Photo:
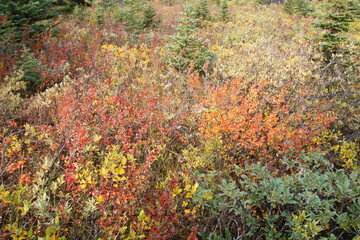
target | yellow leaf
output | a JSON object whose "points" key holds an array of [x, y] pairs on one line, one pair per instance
{"points": [[100, 199], [176, 191], [97, 138], [119, 171], [196, 185], [141, 215], [123, 229], [123, 160], [207, 196]]}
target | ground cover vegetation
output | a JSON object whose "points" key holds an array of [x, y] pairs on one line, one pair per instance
{"points": [[171, 119]]}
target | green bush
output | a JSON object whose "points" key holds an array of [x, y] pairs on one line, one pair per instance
{"points": [[100, 17], [308, 199]]}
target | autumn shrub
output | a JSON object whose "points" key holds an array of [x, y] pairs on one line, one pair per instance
{"points": [[123, 136], [75, 53], [29, 183], [52, 58], [257, 120], [239, 136], [98, 159], [257, 45], [10, 97], [342, 150], [99, 148]]}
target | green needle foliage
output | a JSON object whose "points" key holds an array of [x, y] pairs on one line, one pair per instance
{"points": [[202, 11], [138, 18], [149, 17], [187, 50], [32, 68], [335, 23], [340, 63], [302, 7], [224, 11], [25, 20]]}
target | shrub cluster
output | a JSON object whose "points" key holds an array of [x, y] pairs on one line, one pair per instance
{"points": [[123, 123]]}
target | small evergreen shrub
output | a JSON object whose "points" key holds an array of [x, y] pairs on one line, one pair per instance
{"points": [[301, 7], [100, 17], [186, 49], [202, 11], [224, 12], [138, 17], [149, 20], [269, 1], [340, 65], [32, 68]]}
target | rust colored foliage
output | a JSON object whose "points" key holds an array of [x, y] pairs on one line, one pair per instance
{"points": [[110, 156], [258, 120]]}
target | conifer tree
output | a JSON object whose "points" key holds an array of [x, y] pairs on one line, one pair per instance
{"points": [[301, 7], [202, 11], [25, 19], [139, 17], [335, 23], [32, 72], [341, 64], [149, 17], [187, 50], [224, 10]]}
